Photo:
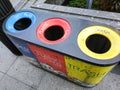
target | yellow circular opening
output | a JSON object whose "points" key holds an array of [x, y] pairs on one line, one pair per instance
{"points": [[99, 42]]}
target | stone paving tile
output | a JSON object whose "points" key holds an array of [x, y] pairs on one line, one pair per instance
{"points": [[14, 2], [1, 75], [8, 83], [53, 82], [6, 58], [25, 72], [110, 82]]}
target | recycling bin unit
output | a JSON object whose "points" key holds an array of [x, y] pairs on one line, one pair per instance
{"points": [[80, 50]]}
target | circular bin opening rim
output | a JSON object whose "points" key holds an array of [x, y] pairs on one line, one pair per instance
{"points": [[50, 22], [17, 16], [104, 31]]}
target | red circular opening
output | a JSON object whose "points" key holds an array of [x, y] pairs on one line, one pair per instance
{"points": [[53, 30]]}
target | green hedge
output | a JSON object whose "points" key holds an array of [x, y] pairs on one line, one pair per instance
{"points": [[77, 3]]}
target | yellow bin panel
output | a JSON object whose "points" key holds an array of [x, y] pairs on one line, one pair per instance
{"points": [[85, 72]]}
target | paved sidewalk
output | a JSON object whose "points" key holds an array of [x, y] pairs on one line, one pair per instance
{"points": [[16, 73]]}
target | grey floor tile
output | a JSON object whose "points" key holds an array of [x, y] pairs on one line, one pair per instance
{"points": [[25, 72], [6, 58], [110, 82], [1, 75], [8, 83], [53, 82], [14, 2]]}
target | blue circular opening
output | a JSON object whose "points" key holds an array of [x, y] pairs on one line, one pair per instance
{"points": [[20, 21], [22, 24]]}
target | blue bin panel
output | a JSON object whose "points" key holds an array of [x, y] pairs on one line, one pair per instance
{"points": [[22, 47]]}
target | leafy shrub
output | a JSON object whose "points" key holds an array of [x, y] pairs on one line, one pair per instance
{"points": [[77, 3]]}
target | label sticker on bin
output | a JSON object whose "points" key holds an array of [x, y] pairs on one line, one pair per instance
{"points": [[85, 72], [54, 60]]}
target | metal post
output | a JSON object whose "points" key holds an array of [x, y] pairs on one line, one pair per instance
{"points": [[89, 4]]}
